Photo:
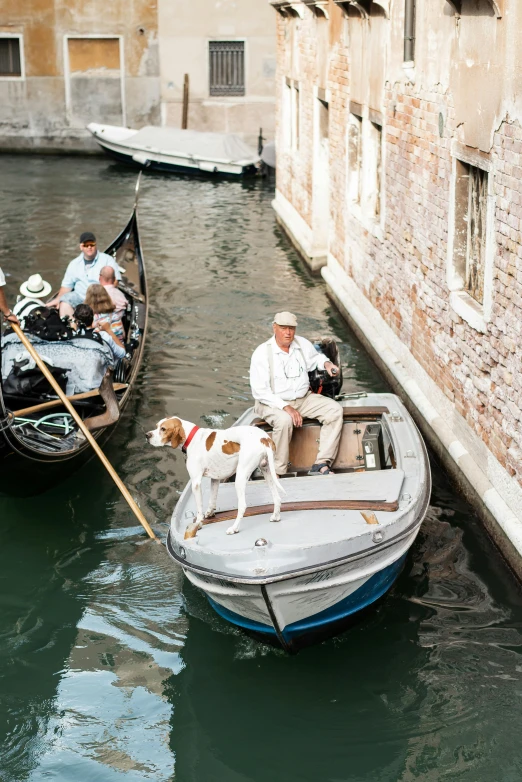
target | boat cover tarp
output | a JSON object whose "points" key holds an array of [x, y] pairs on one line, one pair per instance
{"points": [[212, 146], [268, 155], [86, 360]]}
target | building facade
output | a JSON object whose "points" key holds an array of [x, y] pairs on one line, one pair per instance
{"points": [[63, 65], [227, 49], [399, 175]]}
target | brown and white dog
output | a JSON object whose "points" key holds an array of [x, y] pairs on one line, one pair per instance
{"points": [[218, 454]]}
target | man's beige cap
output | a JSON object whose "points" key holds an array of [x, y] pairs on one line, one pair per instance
{"points": [[285, 319]]}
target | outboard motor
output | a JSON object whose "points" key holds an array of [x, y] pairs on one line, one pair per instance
{"points": [[320, 381]]}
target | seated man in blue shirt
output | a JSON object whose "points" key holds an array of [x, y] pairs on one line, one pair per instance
{"points": [[82, 272]]}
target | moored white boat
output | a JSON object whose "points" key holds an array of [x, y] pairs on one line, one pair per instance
{"points": [[181, 151], [342, 539]]}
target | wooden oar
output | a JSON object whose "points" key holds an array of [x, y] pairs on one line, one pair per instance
{"points": [[88, 436]]}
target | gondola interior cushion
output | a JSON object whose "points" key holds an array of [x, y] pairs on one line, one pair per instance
{"points": [[86, 360]]}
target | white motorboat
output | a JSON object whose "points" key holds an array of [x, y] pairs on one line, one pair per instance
{"points": [[181, 151], [342, 539]]}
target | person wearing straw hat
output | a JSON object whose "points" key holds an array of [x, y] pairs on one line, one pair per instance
{"points": [[33, 291], [281, 389], [4, 307]]}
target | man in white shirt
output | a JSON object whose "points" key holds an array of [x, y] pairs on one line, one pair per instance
{"points": [[281, 389], [108, 280], [4, 307], [82, 272]]}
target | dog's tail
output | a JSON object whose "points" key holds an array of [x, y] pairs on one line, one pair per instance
{"points": [[271, 467]]}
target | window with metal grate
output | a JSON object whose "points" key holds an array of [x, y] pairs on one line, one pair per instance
{"points": [[227, 67], [10, 57]]}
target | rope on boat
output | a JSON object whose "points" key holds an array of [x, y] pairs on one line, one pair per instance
{"points": [[66, 425]]}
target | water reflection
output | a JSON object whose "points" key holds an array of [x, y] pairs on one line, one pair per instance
{"points": [[112, 666], [111, 715]]}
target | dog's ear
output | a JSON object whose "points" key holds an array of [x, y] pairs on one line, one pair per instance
{"points": [[176, 433]]}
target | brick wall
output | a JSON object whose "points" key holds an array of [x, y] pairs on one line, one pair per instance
{"points": [[294, 169], [401, 264]]}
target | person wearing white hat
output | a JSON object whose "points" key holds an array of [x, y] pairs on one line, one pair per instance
{"points": [[33, 291], [281, 389], [4, 307]]}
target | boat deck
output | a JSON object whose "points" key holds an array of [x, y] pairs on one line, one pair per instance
{"points": [[324, 518], [365, 492]]}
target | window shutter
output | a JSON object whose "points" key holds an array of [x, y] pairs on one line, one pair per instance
{"points": [[227, 67]]}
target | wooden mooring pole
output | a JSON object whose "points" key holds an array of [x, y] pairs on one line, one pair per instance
{"points": [[184, 117]]}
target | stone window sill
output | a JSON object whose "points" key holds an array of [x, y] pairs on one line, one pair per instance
{"points": [[371, 224], [469, 310], [409, 70]]}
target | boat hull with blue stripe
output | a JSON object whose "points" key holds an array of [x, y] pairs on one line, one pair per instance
{"points": [[342, 541]]}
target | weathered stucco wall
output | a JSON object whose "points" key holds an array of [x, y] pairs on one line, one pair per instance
{"points": [[82, 62], [399, 135], [184, 48]]}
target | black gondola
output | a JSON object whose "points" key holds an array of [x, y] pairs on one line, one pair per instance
{"points": [[38, 449]]}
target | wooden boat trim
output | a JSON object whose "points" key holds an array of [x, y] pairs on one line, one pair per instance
{"points": [[288, 507], [348, 412], [362, 412], [58, 402], [112, 409]]}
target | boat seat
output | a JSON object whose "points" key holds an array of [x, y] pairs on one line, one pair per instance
{"points": [[304, 444], [363, 486]]}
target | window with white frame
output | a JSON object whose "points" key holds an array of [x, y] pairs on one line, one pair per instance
{"points": [[227, 68], [364, 164], [324, 120], [354, 158], [10, 57], [372, 183], [291, 113], [471, 236], [470, 232], [296, 111], [287, 113]]}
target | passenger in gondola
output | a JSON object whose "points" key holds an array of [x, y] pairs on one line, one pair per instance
{"points": [[83, 317], [32, 294], [4, 307], [281, 389], [104, 310], [108, 280], [82, 272]]}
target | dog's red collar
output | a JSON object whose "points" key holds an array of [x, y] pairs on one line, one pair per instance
{"points": [[189, 439]]}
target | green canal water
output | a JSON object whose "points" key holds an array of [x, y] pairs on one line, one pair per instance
{"points": [[112, 668]]}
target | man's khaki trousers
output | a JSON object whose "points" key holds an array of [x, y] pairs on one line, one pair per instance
{"points": [[326, 410]]}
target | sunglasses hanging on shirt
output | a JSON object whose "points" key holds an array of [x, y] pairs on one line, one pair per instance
{"points": [[292, 368]]}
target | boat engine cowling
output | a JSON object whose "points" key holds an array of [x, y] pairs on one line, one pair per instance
{"points": [[320, 381]]}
